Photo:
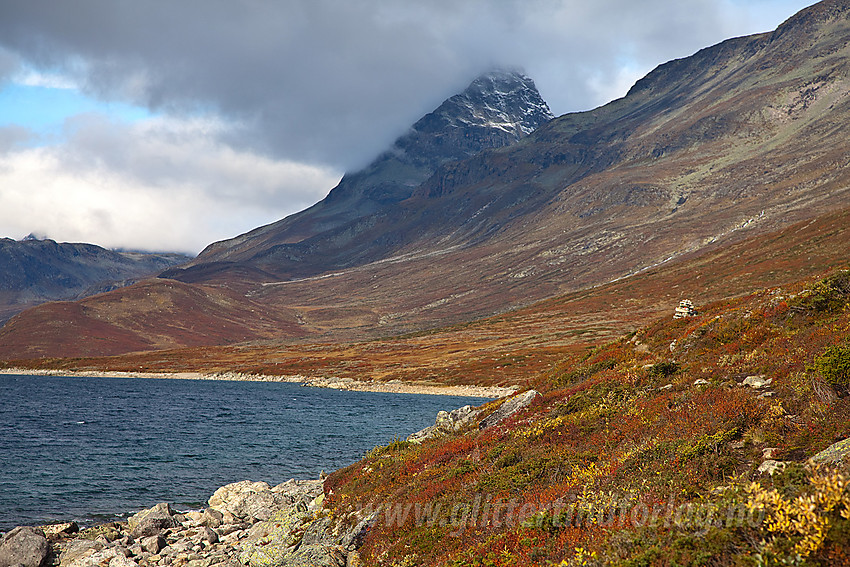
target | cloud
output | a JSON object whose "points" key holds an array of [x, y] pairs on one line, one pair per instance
{"points": [[263, 104], [12, 137], [335, 82], [161, 185], [32, 78], [9, 65]]}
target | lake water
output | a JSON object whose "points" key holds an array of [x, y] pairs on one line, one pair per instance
{"points": [[93, 449]]}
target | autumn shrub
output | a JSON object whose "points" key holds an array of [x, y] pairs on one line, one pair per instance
{"points": [[798, 517], [834, 365], [707, 443], [583, 373], [829, 295], [800, 524], [395, 446], [664, 369], [514, 477], [462, 468]]}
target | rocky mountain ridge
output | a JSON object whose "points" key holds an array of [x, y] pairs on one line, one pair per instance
{"points": [[495, 110], [34, 271]]}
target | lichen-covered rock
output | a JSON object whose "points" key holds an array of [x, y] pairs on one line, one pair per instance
{"points": [[835, 453], [109, 532], [251, 500], [317, 556], [771, 467], [24, 546], [757, 382], [60, 530], [509, 408], [270, 543]]}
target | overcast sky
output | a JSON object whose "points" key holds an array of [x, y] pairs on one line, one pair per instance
{"points": [[167, 125]]}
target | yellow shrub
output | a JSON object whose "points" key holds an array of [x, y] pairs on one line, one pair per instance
{"points": [[806, 518]]}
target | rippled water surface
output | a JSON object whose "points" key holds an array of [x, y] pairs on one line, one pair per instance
{"points": [[91, 449]]}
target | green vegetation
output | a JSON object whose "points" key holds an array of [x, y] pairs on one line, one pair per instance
{"points": [[834, 366], [664, 369], [829, 295]]}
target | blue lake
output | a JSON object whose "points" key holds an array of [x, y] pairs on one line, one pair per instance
{"points": [[93, 449]]}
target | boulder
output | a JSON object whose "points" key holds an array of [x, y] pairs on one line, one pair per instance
{"points": [[757, 382], [211, 518], [153, 544], [446, 422], [509, 408], [209, 535], [835, 453], [152, 521], [259, 501], [60, 530], [771, 467], [252, 500], [300, 492], [77, 550], [24, 546]]}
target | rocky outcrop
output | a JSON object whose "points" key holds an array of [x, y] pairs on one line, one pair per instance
{"points": [[455, 420], [447, 422], [25, 547], [509, 408]]}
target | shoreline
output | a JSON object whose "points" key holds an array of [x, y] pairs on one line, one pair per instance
{"points": [[346, 384]]}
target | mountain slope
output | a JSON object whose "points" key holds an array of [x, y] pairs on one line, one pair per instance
{"points": [[741, 139], [35, 271], [495, 110], [751, 125]]}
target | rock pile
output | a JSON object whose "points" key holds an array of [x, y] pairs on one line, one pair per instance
{"points": [[246, 523]]}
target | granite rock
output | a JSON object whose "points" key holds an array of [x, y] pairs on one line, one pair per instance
{"points": [[152, 521], [24, 546]]}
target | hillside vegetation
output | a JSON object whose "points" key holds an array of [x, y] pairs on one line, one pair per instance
{"points": [[654, 449]]}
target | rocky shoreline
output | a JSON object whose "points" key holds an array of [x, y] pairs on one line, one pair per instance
{"points": [[246, 524], [348, 384]]}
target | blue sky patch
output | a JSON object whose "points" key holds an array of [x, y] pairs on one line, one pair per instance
{"points": [[45, 109]]}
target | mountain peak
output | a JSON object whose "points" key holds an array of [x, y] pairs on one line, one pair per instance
{"points": [[497, 109], [501, 99], [816, 15]]}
